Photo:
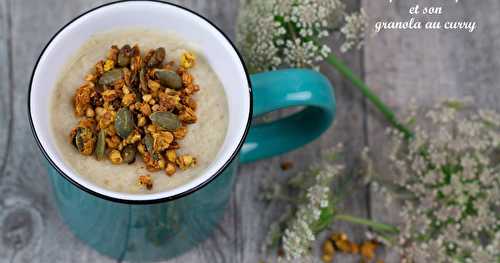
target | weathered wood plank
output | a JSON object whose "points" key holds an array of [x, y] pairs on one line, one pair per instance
{"points": [[428, 66], [255, 217], [32, 230], [5, 91], [19, 222]]}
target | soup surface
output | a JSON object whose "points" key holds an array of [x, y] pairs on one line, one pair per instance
{"points": [[203, 140]]}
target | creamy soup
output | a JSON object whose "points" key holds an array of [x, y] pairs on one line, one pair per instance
{"points": [[203, 140]]}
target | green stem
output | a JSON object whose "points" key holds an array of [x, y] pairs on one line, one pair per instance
{"points": [[345, 71], [380, 227]]}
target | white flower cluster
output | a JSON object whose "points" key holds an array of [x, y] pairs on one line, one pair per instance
{"points": [[299, 235], [451, 171], [309, 199], [289, 33], [354, 31]]}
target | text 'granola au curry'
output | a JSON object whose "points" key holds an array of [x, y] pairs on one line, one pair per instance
{"points": [[133, 103]]}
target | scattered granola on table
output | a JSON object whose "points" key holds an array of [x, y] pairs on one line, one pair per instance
{"points": [[339, 242], [286, 165], [133, 104]]}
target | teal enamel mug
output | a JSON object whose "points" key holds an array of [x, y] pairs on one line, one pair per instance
{"points": [[165, 224]]}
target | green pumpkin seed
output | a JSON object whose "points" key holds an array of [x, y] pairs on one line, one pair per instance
{"points": [[160, 54], [110, 77], [149, 141], [134, 86], [169, 78], [124, 122], [157, 57], [83, 135], [143, 82], [165, 120], [124, 56], [128, 154], [78, 140], [101, 145]]}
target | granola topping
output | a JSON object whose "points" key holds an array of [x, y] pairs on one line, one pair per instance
{"points": [[146, 181], [137, 103]]}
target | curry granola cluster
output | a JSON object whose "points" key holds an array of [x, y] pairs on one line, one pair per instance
{"points": [[133, 103], [339, 242]]}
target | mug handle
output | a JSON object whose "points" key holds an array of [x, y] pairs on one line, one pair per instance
{"points": [[282, 89]]}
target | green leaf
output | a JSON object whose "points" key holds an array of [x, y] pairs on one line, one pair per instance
{"points": [[325, 219], [454, 104]]}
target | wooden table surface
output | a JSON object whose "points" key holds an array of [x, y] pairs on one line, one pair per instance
{"points": [[399, 65]]}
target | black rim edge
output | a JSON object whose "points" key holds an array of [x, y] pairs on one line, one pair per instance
{"points": [[152, 201]]}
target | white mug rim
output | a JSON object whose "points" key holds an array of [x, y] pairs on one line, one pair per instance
{"points": [[153, 200]]}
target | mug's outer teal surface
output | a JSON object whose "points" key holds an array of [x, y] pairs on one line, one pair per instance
{"points": [[164, 230]]}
